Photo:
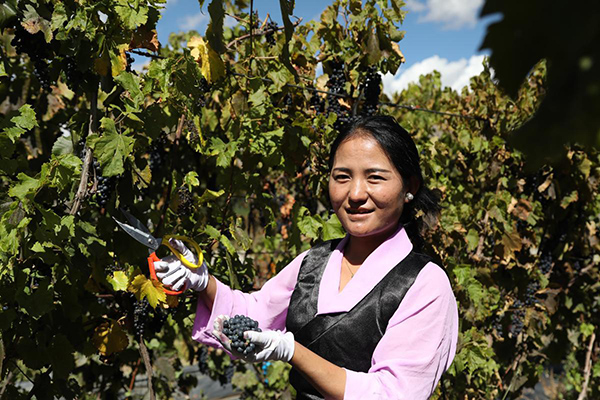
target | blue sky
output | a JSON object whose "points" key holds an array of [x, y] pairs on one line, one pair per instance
{"points": [[444, 35]]}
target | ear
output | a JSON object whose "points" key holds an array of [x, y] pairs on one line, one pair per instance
{"points": [[413, 186]]}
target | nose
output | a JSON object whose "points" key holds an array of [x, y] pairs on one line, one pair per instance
{"points": [[358, 191]]}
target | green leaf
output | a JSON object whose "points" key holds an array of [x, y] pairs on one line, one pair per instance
{"points": [[111, 149], [63, 145], [131, 83], [586, 329], [472, 239], [61, 356], [191, 179], [332, 228], [214, 31], [8, 10], [132, 14], [26, 186], [23, 122]]}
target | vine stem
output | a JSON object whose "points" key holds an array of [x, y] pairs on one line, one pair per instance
{"points": [[87, 160], [260, 33], [147, 364], [134, 374], [588, 367]]}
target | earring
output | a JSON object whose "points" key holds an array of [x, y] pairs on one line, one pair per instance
{"points": [[409, 196]]}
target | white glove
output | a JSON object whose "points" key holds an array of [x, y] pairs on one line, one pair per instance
{"points": [[171, 271], [269, 345]]}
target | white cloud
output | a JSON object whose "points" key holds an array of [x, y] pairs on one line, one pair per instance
{"points": [[455, 74], [454, 14], [194, 21]]}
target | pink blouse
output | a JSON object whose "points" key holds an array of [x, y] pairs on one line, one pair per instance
{"points": [[420, 340]]}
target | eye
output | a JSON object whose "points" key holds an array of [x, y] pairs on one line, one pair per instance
{"points": [[341, 177], [376, 178]]}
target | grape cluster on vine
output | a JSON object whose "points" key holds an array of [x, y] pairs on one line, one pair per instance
{"points": [[337, 86], [271, 28], [517, 324], [143, 322], [35, 46], [104, 188], [530, 292], [157, 152], [186, 202], [371, 89], [234, 329]]}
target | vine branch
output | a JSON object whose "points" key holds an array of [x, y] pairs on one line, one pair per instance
{"points": [[588, 368], [147, 364], [87, 160]]}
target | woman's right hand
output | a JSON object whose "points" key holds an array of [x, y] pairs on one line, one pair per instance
{"points": [[171, 271]]}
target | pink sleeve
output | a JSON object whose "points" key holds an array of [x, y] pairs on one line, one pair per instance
{"points": [[418, 346], [268, 306]]}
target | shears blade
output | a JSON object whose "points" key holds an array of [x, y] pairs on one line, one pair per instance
{"points": [[139, 232]]}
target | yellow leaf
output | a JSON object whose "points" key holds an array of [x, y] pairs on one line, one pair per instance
{"points": [[110, 338], [119, 280], [211, 65], [150, 289], [172, 301], [102, 64], [118, 60]]}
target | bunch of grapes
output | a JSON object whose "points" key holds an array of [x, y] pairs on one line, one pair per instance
{"points": [[545, 263], [270, 36], [336, 85], [141, 310], [317, 103], [530, 293], [202, 87], [157, 153], [203, 360], [37, 49], [234, 329], [516, 323], [186, 202], [73, 74], [104, 188], [372, 91]]}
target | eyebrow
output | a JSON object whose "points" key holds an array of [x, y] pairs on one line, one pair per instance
{"points": [[368, 171]]}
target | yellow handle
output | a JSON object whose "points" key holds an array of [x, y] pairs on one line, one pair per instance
{"points": [[189, 241]]}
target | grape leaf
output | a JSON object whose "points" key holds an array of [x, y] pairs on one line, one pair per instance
{"points": [[211, 65], [23, 122], [110, 338], [150, 289], [119, 280], [111, 148]]}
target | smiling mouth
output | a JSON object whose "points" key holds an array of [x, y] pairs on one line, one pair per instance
{"points": [[358, 212]]}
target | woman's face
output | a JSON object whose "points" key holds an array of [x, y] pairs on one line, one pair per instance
{"points": [[365, 189]]}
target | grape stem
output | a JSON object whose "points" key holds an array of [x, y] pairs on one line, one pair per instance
{"points": [[87, 161]]}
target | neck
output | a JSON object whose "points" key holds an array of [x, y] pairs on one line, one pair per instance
{"points": [[359, 248]]}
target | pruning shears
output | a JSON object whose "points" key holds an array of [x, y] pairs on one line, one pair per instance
{"points": [[137, 230]]}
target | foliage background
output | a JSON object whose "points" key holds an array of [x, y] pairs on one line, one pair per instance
{"points": [[224, 137]]}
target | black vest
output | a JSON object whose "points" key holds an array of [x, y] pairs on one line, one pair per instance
{"points": [[346, 339]]}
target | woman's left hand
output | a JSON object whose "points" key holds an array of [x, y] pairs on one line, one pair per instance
{"points": [[269, 345]]}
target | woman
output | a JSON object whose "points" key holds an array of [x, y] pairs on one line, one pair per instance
{"points": [[363, 317]]}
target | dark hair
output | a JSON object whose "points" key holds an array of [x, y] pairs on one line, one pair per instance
{"points": [[402, 151]]}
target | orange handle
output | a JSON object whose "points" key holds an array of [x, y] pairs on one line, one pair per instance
{"points": [[151, 260]]}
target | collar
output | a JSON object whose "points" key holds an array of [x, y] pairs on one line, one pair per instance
{"points": [[375, 267]]}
